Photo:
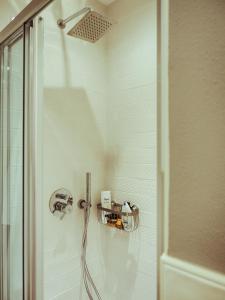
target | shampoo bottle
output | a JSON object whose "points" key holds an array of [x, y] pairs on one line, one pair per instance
{"points": [[127, 220]]}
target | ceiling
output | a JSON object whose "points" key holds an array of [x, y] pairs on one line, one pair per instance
{"points": [[106, 2]]}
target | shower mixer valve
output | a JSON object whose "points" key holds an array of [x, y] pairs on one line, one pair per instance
{"points": [[61, 203]]}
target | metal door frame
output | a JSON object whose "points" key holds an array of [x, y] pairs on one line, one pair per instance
{"points": [[33, 89]]}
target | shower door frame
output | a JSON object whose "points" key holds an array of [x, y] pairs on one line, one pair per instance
{"points": [[32, 33], [29, 12], [33, 99]]}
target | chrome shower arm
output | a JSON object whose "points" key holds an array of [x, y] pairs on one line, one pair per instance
{"points": [[62, 23]]}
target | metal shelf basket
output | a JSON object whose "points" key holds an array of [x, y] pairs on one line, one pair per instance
{"points": [[114, 217]]}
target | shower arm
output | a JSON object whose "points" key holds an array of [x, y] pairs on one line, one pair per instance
{"points": [[62, 23]]}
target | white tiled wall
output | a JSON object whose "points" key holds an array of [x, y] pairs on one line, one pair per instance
{"points": [[74, 143], [131, 169], [100, 116]]}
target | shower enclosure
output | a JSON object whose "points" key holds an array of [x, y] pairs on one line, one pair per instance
{"points": [[20, 254], [71, 107]]}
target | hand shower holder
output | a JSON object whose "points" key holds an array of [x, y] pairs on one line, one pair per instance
{"points": [[114, 217]]}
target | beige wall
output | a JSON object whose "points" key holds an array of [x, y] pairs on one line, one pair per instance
{"points": [[197, 129]]}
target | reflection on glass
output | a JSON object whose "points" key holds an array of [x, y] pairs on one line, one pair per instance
{"points": [[11, 237], [15, 184]]}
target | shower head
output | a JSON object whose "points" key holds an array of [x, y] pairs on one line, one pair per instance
{"points": [[91, 27]]}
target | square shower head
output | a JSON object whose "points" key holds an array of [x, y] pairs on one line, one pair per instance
{"points": [[91, 27]]}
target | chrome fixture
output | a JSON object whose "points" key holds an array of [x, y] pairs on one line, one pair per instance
{"points": [[61, 203], [85, 203], [62, 23], [91, 27], [86, 206]]}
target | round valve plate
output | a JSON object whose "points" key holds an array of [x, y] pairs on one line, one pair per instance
{"points": [[61, 202]]}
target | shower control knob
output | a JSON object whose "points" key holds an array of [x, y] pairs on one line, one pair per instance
{"points": [[61, 203]]}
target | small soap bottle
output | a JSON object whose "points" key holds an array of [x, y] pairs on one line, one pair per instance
{"points": [[106, 203]]}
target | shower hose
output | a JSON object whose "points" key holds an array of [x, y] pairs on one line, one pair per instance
{"points": [[88, 281]]}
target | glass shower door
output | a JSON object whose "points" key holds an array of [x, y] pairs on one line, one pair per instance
{"points": [[11, 192]]}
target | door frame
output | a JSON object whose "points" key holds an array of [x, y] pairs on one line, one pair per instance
{"points": [[33, 99], [31, 10]]}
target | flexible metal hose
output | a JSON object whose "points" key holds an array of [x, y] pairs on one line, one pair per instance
{"points": [[86, 274]]}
